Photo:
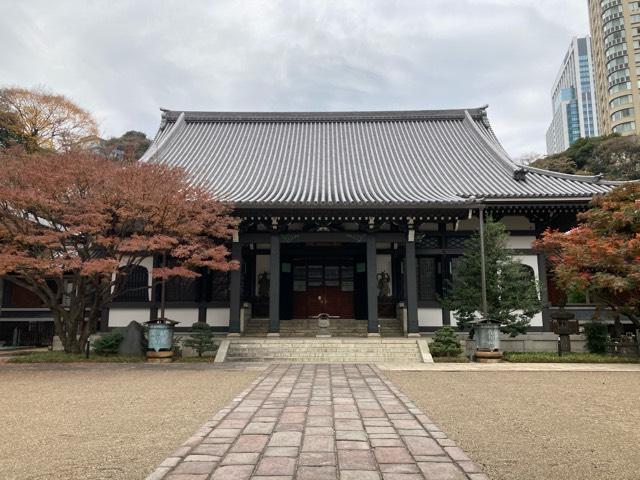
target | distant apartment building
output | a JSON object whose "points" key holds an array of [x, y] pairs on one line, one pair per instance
{"points": [[573, 98], [615, 33]]}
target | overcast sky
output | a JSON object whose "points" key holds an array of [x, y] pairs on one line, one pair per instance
{"points": [[122, 60]]}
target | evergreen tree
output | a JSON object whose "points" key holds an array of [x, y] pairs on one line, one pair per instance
{"points": [[445, 343], [201, 339], [512, 292]]}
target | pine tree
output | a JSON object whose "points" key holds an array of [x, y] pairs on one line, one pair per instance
{"points": [[201, 339], [445, 343], [512, 292]]}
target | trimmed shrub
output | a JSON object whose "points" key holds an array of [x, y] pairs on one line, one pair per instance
{"points": [[445, 343], [109, 343], [201, 339], [597, 336]]}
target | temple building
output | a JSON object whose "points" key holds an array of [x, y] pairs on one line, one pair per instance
{"points": [[359, 215]]}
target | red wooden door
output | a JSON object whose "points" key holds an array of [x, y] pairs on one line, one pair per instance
{"points": [[323, 287]]}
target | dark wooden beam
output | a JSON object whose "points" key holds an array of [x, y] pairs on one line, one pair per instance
{"points": [[411, 288], [234, 287], [304, 237], [274, 284], [372, 287]]}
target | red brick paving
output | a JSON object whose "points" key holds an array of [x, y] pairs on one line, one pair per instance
{"points": [[320, 422]]}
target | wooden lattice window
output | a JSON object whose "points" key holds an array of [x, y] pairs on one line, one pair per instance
{"points": [[135, 285]]}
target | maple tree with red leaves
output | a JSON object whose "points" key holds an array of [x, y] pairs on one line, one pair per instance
{"points": [[74, 225], [602, 254]]}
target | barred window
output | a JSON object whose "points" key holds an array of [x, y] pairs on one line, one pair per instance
{"points": [[427, 279], [135, 285]]}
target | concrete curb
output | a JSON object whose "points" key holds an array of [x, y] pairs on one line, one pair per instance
{"points": [[423, 345], [221, 354]]}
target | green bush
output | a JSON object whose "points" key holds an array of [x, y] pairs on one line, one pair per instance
{"points": [[445, 343], [201, 339], [109, 343], [573, 357], [597, 337]]}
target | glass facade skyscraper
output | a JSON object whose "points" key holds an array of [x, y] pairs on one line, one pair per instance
{"points": [[573, 98], [615, 30]]}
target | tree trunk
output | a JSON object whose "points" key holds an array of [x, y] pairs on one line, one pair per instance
{"points": [[66, 325]]}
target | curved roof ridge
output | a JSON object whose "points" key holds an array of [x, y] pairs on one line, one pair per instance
{"points": [[328, 116], [574, 177], [505, 161], [157, 142]]}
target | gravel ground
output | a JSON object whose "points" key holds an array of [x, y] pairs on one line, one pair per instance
{"points": [[104, 421], [542, 425]]}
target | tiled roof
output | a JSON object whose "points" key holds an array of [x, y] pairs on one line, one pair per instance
{"points": [[346, 159]]}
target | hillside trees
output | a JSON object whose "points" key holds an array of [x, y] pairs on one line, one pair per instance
{"points": [[44, 120]]}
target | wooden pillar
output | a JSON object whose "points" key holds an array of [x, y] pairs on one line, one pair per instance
{"points": [[372, 287], [274, 285], [234, 287], [411, 284], [203, 282]]}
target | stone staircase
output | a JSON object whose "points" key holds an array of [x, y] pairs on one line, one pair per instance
{"points": [[338, 327], [324, 350]]}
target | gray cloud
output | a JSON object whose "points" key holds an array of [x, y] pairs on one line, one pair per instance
{"points": [[124, 59]]}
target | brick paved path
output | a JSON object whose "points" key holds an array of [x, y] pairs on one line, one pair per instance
{"points": [[319, 422]]}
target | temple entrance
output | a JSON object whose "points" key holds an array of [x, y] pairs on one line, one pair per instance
{"points": [[323, 285]]}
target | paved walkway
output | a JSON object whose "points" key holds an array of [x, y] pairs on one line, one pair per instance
{"points": [[319, 422], [511, 367]]}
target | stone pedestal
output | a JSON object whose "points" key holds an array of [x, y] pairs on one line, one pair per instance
{"points": [[323, 327]]}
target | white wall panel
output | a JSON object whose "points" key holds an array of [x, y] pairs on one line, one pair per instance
{"points": [[218, 317], [121, 317], [430, 317], [520, 241], [186, 316]]}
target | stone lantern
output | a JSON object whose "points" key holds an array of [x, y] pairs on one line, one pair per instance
{"points": [[562, 318]]}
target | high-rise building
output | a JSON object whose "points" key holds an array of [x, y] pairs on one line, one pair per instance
{"points": [[573, 98], [615, 33]]}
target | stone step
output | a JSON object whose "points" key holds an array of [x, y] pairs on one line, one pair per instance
{"points": [[337, 328], [319, 350]]}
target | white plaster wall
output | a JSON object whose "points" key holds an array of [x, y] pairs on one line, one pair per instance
{"points": [[121, 317], [218, 317], [532, 261], [517, 222], [383, 264], [520, 241], [186, 316], [468, 224], [430, 317]]}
